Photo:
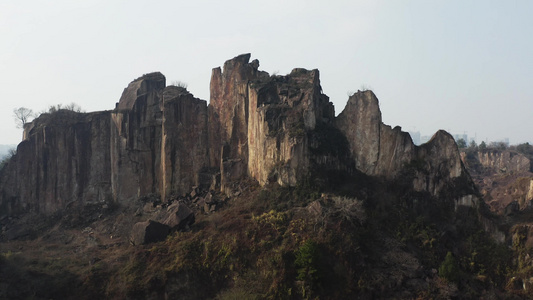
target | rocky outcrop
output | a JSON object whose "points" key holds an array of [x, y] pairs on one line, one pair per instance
{"points": [[154, 142], [264, 121], [503, 177], [148, 232], [380, 150], [64, 160], [136, 139], [179, 217], [504, 161], [184, 144], [163, 141]]}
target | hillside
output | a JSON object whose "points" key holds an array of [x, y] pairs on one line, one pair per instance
{"points": [[263, 193]]}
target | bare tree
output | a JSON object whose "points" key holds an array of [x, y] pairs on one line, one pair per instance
{"points": [[73, 107], [178, 83], [22, 116]]}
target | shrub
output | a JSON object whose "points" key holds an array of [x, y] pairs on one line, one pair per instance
{"points": [[448, 269], [307, 259]]}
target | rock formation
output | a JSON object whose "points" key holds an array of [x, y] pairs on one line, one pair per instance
{"points": [[161, 140], [380, 150], [504, 161], [504, 178]]}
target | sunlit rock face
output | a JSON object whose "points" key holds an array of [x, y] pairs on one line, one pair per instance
{"points": [[377, 148], [264, 121], [64, 159], [184, 148], [162, 140], [504, 161], [503, 177], [380, 150], [136, 138]]}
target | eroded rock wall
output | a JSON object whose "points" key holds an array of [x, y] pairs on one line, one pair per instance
{"points": [[284, 110], [503, 177], [380, 150], [136, 139], [154, 142], [64, 160], [184, 150], [504, 161], [263, 122], [161, 140]]}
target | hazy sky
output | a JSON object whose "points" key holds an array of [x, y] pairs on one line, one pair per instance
{"points": [[454, 65]]}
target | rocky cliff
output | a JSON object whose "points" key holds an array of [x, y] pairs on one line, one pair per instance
{"points": [[380, 150], [161, 140], [504, 178]]}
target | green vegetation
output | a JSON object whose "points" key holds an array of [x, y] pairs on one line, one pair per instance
{"points": [[306, 262], [525, 149], [7, 158], [70, 107], [482, 146], [291, 243], [461, 143], [448, 269]]}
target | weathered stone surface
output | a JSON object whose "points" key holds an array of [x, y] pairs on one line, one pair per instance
{"points": [[438, 164], [162, 141], [184, 150], [148, 232], [64, 158], [380, 150], [503, 177], [284, 111], [504, 161], [136, 139], [265, 121], [229, 115], [179, 216]]}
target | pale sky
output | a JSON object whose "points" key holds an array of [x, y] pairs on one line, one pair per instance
{"points": [[462, 66]]}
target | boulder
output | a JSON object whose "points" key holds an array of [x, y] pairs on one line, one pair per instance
{"points": [[148, 232], [209, 198], [180, 217]]}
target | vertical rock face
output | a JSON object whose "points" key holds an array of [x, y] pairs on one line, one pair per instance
{"points": [[377, 148], [438, 165], [360, 121], [184, 149], [60, 162], [504, 161], [154, 142], [504, 177], [229, 116], [380, 150], [264, 121], [136, 138], [284, 113], [161, 140]]}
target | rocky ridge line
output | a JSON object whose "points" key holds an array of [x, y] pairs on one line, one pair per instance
{"points": [[161, 140]]}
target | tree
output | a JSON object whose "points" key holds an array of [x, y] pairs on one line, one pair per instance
{"points": [[482, 146], [73, 107], [7, 157], [307, 259], [498, 145], [525, 149], [22, 116], [448, 269], [178, 83], [472, 145], [461, 143]]}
